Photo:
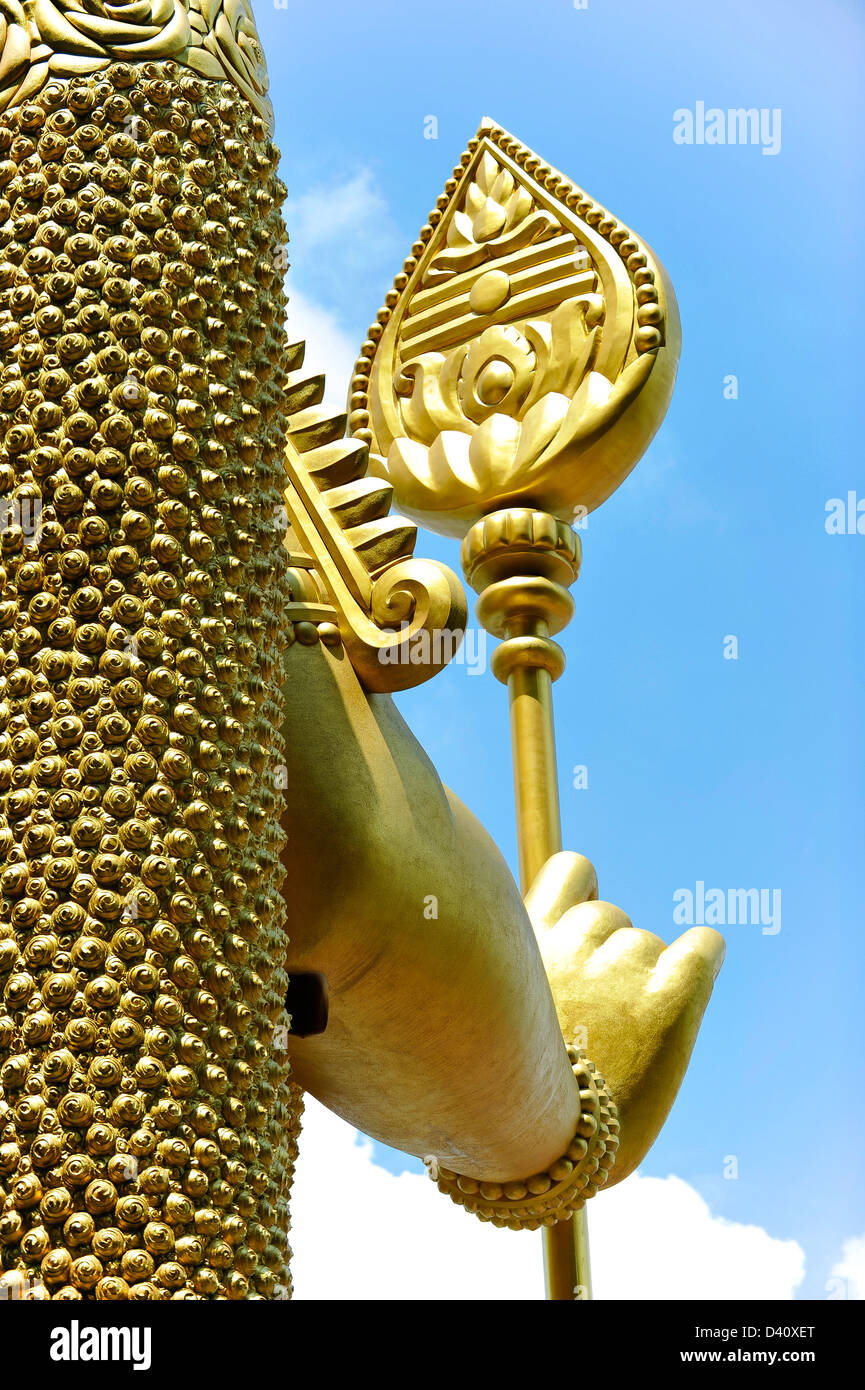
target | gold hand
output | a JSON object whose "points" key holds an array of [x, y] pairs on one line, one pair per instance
{"points": [[630, 1001]]}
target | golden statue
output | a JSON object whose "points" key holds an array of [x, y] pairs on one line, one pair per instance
{"points": [[206, 788]]}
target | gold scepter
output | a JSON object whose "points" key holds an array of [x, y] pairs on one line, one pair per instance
{"points": [[522, 563], [517, 372]]}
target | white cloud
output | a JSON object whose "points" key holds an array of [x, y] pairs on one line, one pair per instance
{"points": [[360, 1232], [657, 1238], [329, 348], [345, 247], [337, 213], [849, 1270]]}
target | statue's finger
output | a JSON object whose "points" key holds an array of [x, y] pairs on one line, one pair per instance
{"points": [[689, 967], [626, 953], [581, 932], [565, 880]]}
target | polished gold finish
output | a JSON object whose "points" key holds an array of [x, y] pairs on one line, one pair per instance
{"points": [[526, 354]]}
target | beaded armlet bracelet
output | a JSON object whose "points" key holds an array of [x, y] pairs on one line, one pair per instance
{"points": [[567, 1184]]}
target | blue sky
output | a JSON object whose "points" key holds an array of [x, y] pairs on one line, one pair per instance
{"points": [[739, 773]]}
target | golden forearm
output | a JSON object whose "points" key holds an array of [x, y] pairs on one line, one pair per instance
{"points": [[396, 892]]}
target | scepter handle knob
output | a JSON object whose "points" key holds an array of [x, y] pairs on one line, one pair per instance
{"points": [[527, 653], [522, 563], [520, 541]]}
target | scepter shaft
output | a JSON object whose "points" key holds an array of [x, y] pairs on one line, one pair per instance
{"points": [[521, 562], [536, 791], [567, 1265]]}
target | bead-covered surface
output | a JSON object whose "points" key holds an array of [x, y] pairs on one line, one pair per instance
{"points": [[147, 1117]]}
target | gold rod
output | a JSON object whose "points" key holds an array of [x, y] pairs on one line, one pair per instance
{"points": [[567, 1268]]}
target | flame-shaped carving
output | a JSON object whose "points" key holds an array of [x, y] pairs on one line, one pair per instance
{"points": [[526, 354]]}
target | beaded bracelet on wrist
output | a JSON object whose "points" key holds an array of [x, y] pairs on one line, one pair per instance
{"points": [[567, 1184]]}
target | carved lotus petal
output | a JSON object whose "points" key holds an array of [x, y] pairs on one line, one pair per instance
{"points": [[493, 448], [489, 221], [145, 28], [539, 428], [14, 47], [460, 469]]}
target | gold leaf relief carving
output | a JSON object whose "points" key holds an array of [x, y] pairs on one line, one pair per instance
{"points": [[512, 361], [65, 38]]}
